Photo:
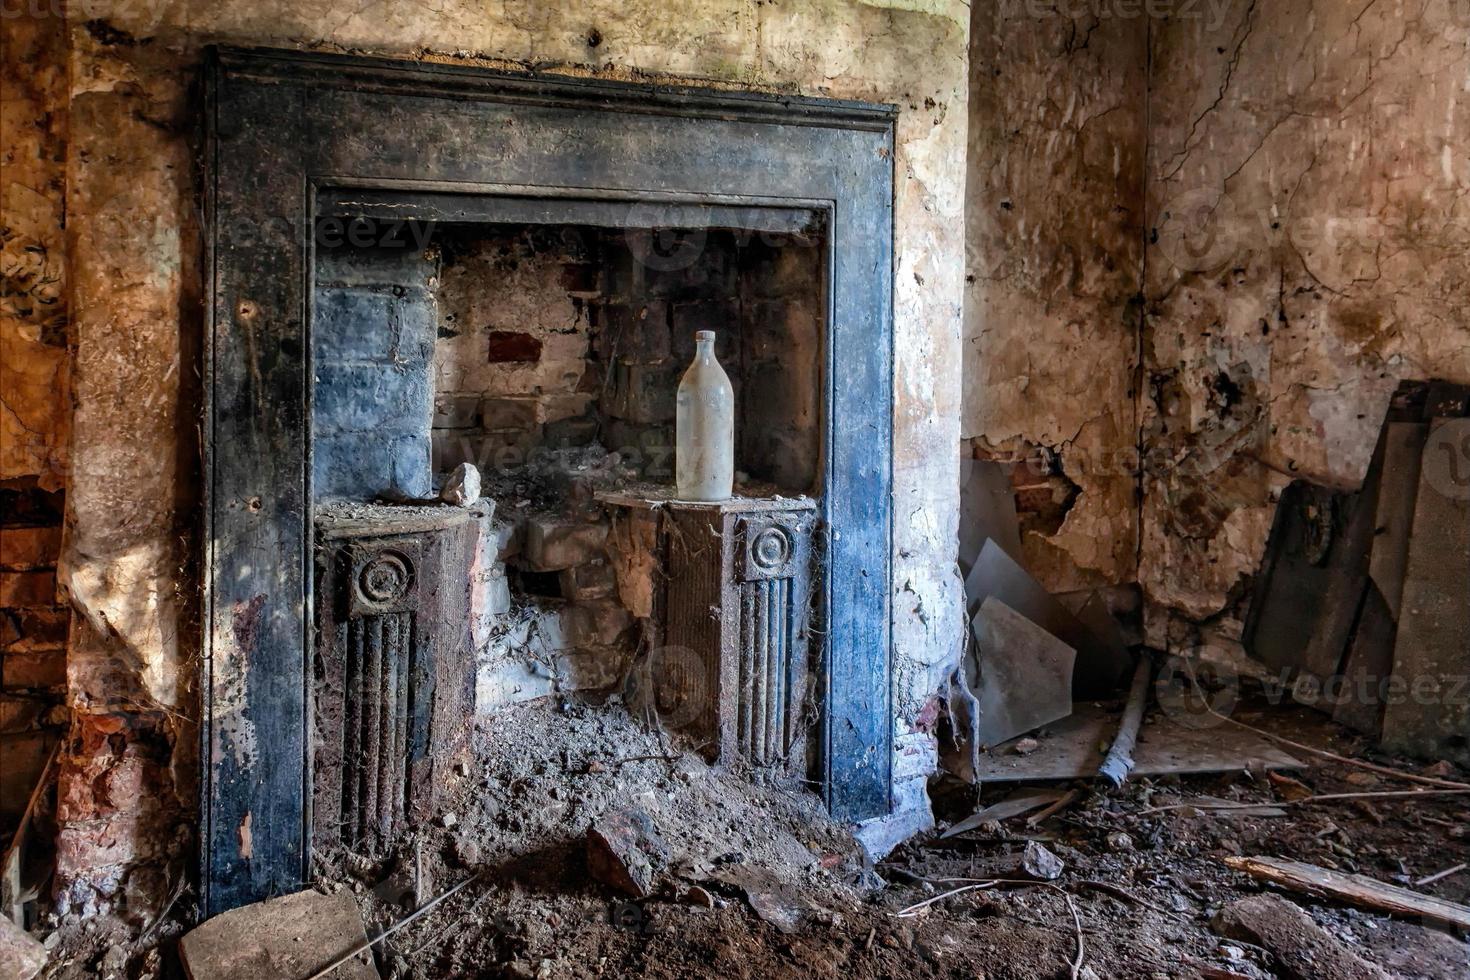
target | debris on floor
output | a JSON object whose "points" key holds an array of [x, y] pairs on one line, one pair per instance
{"points": [[294, 936], [22, 956]]}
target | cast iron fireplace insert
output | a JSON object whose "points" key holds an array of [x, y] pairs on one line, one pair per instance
{"points": [[289, 133]]}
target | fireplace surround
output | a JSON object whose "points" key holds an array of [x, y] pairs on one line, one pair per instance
{"points": [[293, 137]]}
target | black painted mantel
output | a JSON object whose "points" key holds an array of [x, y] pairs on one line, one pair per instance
{"points": [[290, 131]]}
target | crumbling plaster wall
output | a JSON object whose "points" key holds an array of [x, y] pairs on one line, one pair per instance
{"points": [[1307, 194], [134, 230], [1055, 239]]}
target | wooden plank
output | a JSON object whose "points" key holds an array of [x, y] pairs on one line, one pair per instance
{"points": [[1073, 749], [1356, 890], [1398, 494], [1359, 695], [1021, 802], [1428, 712]]}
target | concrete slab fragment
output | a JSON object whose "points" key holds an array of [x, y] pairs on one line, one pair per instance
{"points": [[292, 936]]}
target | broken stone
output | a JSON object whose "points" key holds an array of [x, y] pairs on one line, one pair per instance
{"points": [[462, 488], [293, 936], [1026, 746], [467, 851], [21, 955], [1303, 949], [1039, 863], [625, 851], [553, 545]]}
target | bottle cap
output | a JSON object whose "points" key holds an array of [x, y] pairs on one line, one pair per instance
{"points": [[704, 335]]}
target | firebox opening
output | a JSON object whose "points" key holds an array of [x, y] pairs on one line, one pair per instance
{"points": [[507, 346], [549, 357]]}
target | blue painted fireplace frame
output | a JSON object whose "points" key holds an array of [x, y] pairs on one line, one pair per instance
{"points": [[286, 127]]}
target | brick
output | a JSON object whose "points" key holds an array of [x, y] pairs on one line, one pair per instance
{"points": [[9, 628], [372, 398], [19, 713], [33, 669], [25, 756], [505, 680], [641, 393], [582, 430], [27, 589], [636, 334], [457, 411], [21, 955], [369, 324], [625, 851], [582, 279], [24, 548], [595, 623], [512, 347], [44, 626], [518, 414], [360, 465], [594, 580], [553, 544]]}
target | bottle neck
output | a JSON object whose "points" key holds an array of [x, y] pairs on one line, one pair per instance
{"points": [[704, 350]]}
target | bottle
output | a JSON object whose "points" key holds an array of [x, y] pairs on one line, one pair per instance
{"points": [[704, 454]]}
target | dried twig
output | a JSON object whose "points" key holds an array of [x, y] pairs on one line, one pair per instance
{"points": [[1075, 965], [1441, 875], [1310, 800], [920, 906], [1072, 797], [1123, 893], [1344, 760]]}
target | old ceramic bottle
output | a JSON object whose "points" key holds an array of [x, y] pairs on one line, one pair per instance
{"points": [[704, 456]]}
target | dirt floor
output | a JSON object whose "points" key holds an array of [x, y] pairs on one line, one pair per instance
{"points": [[1146, 882]]}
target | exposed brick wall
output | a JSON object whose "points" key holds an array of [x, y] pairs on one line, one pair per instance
{"points": [[33, 628], [563, 336]]}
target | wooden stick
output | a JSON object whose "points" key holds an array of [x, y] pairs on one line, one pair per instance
{"points": [[1119, 762], [1310, 800], [1357, 763], [364, 947], [1057, 807], [1441, 876], [1356, 890]]}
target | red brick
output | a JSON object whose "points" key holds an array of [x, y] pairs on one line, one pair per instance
{"points": [[27, 589], [29, 547], [33, 670], [44, 626], [513, 347]]}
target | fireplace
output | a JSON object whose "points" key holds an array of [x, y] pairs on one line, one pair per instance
{"points": [[419, 266]]}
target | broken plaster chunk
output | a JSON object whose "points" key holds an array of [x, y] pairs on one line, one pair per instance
{"points": [[462, 488], [293, 936], [21, 955], [625, 851], [1303, 950]]}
